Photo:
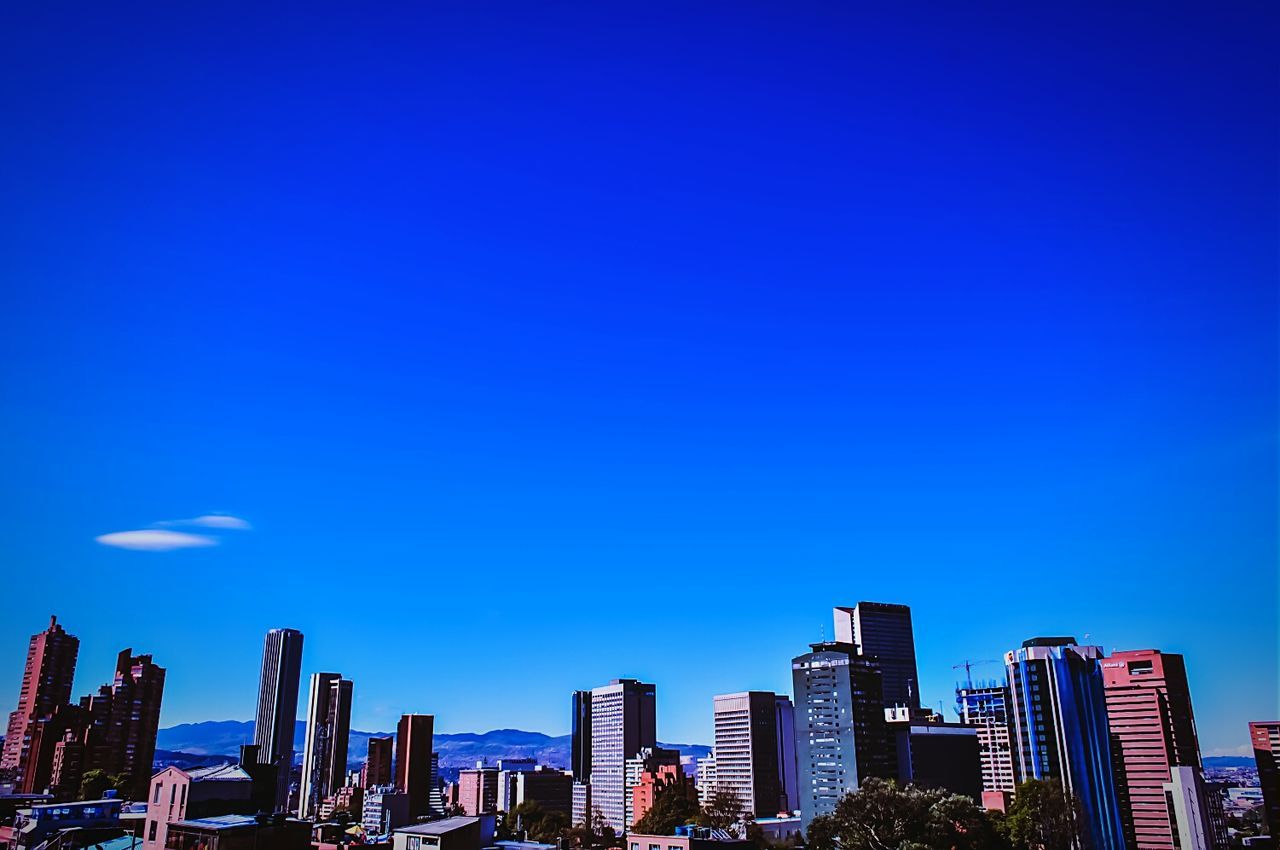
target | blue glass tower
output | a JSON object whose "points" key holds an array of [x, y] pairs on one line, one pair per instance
{"points": [[1058, 715]]}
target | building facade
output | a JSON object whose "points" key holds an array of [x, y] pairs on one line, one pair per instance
{"points": [[1265, 737], [121, 722], [278, 706], [623, 721], [324, 751], [986, 708], [580, 747], [748, 752], [882, 631], [46, 686], [1058, 721], [933, 754], [648, 760], [478, 790], [840, 725], [414, 742], [377, 766]]}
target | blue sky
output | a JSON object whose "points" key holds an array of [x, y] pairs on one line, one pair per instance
{"points": [[542, 345]]}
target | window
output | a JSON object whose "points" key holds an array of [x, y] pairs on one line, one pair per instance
{"points": [[159, 788], [151, 830]]}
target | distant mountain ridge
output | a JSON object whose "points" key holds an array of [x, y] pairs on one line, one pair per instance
{"points": [[461, 749]]}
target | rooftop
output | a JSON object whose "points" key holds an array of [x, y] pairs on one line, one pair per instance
{"points": [[219, 773], [438, 827]]}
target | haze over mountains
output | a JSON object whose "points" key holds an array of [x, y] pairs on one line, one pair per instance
{"points": [[464, 749]]}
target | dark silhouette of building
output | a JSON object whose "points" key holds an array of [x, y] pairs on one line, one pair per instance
{"points": [[580, 757], [413, 761], [882, 632], [46, 686], [1265, 737], [278, 706], [121, 721], [324, 755], [377, 767]]}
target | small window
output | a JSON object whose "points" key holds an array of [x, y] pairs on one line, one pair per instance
{"points": [[151, 830], [159, 788]]}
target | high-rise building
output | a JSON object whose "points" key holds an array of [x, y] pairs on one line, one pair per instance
{"points": [[1058, 715], [785, 718], [46, 685], [882, 631], [623, 721], [1265, 736], [1152, 731], [324, 752], [121, 722], [580, 756], [1190, 808], [840, 725], [747, 751], [664, 778], [509, 771], [278, 706], [414, 736], [932, 754], [478, 790], [986, 707], [377, 767]]}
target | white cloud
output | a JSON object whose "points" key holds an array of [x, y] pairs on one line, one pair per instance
{"points": [[216, 521], [155, 540], [1242, 750]]}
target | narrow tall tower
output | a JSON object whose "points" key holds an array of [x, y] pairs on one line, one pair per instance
{"points": [[882, 632], [623, 721], [46, 685], [413, 761], [580, 757], [278, 706], [324, 753]]}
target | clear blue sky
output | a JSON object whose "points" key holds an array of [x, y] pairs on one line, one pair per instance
{"points": [[548, 343]]}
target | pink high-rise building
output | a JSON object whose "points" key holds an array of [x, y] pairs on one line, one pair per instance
{"points": [[46, 686], [1152, 730]]}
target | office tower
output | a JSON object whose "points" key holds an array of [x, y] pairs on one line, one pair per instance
{"points": [[986, 707], [785, 717], [580, 756], [582, 808], [1189, 803], [549, 788], [478, 790], [121, 722], [324, 752], [840, 725], [747, 751], [413, 761], [648, 760], [377, 767], [1058, 719], [882, 631], [278, 706], [934, 754], [623, 721], [1265, 736], [46, 684], [509, 771], [706, 778], [1152, 730]]}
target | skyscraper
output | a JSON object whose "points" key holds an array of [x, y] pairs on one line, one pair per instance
{"points": [[1058, 716], [278, 706], [1152, 731], [377, 767], [747, 752], [46, 685], [841, 737], [1190, 808], [785, 717], [413, 761], [882, 631], [121, 722], [324, 754], [580, 757], [987, 708], [623, 720], [1265, 736]]}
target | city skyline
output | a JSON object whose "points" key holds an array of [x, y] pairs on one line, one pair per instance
{"points": [[402, 327]]}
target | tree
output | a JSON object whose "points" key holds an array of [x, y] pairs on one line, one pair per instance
{"points": [[1042, 816], [723, 809], [95, 783], [883, 816], [675, 803]]}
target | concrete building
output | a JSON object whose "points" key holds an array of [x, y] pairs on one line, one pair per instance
{"points": [[650, 760], [688, 838], [324, 751], [986, 708], [882, 631], [508, 770], [580, 748], [457, 833], [414, 743], [705, 778], [240, 832], [1153, 730], [1188, 800], [1058, 720], [377, 766], [278, 706], [652, 781], [785, 718], [840, 726], [583, 811], [383, 810], [89, 819], [1265, 737], [203, 792], [550, 788], [934, 754], [478, 790], [46, 686], [623, 721], [748, 751]]}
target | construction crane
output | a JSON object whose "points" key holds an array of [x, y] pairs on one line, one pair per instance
{"points": [[968, 666]]}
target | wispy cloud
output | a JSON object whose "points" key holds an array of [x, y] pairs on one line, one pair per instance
{"points": [[155, 540], [1242, 750], [222, 521]]}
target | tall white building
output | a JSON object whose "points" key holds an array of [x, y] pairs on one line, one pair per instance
{"points": [[1189, 806], [986, 706], [750, 760], [623, 721], [324, 754]]}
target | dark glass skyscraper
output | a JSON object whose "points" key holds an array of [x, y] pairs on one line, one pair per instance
{"points": [[841, 737], [414, 738], [278, 706], [580, 757], [324, 754], [1058, 720], [882, 631]]}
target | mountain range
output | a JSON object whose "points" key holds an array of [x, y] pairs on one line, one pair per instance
{"points": [[459, 750]]}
